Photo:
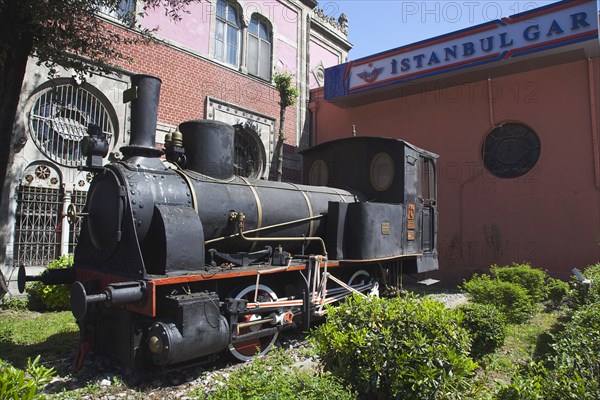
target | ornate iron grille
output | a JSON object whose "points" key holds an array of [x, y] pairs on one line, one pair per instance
{"points": [[78, 199], [37, 233], [249, 155], [59, 119], [511, 150]]}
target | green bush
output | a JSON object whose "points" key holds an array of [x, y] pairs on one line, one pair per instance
{"points": [[13, 303], [396, 348], [571, 369], [557, 291], [575, 359], [274, 378], [52, 297], [531, 279], [24, 385], [529, 383], [486, 326], [510, 298], [587, 294]]}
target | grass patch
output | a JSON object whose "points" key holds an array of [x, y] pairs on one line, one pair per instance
{"points": [[26, 334], [522, 345]]}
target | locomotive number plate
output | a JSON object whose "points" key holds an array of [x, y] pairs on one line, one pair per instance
{"points": [[385, 228], [411, 212], [411, 235]]}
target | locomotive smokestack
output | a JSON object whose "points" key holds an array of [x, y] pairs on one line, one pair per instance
{"points": [[208, 147], [144, 95]]}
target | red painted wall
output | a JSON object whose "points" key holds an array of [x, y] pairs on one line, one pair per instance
{"points": [[551, 215]]}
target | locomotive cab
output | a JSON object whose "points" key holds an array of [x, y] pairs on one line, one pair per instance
{"points": [[399, 218]]}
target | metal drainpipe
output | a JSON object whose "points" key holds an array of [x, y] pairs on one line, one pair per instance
{"points": [[594, 123], [491, 103]]}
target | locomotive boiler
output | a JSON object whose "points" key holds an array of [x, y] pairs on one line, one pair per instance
{"points": [[179, 258]]}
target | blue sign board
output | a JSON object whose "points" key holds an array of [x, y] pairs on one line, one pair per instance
{"points": [[527, 34]]}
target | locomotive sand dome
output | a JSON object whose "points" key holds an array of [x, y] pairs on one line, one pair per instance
{"points": [[184, 259]]}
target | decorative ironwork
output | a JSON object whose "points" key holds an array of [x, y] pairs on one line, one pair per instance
{"points": [[511, 150], [59, 119], [37, 230], [249, 154], [42, 172], [78, 198], [38, 224]]}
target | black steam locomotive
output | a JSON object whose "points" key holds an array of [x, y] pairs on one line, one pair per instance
{"points": [[182, 259]]}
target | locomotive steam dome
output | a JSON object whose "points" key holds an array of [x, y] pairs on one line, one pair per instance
{"points": [[209, 147]]}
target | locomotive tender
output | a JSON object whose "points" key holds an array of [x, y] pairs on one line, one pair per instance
{"points": [[184, 259]]}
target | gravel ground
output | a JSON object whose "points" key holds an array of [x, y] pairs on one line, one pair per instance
{"points": [[100, 378]]}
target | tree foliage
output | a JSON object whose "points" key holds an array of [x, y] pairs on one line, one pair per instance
{"points": [[66, 33], [288, 94]]}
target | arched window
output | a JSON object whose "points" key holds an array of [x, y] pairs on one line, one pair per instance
{"points": [[123, 10], [227, 33], [60, 116], [259, 48]]}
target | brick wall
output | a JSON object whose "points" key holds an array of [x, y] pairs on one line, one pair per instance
{"points": [[187, 79]]}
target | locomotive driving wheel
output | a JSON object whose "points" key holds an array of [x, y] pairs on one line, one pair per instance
{"points": [[251, 348], [361, 280]]}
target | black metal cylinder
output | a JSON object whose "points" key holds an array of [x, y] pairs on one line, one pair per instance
{"points": [[144, 114], [208, 147]]}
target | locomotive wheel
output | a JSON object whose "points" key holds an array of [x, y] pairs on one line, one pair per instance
{"points": [[360, 278], [249, 349]]}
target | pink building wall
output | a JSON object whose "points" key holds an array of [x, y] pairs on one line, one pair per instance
{"points": [[319, 54], [193, 31], [551, 215]]}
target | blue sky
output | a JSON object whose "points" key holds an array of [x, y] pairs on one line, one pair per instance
{"points": [[379, 25]]}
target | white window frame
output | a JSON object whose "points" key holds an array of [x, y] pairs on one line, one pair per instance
{"points": [[261, 58], [223, 46]]}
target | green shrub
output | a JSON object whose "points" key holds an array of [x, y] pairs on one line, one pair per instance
{"points": [[274, 378], [575, 359], [510, 298], [570, 370], [24, 385], [587, 294], [396, 348], [531, 279], [14, 303], [529, 383], [557, 291], [486, 326], [52, 297]]}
